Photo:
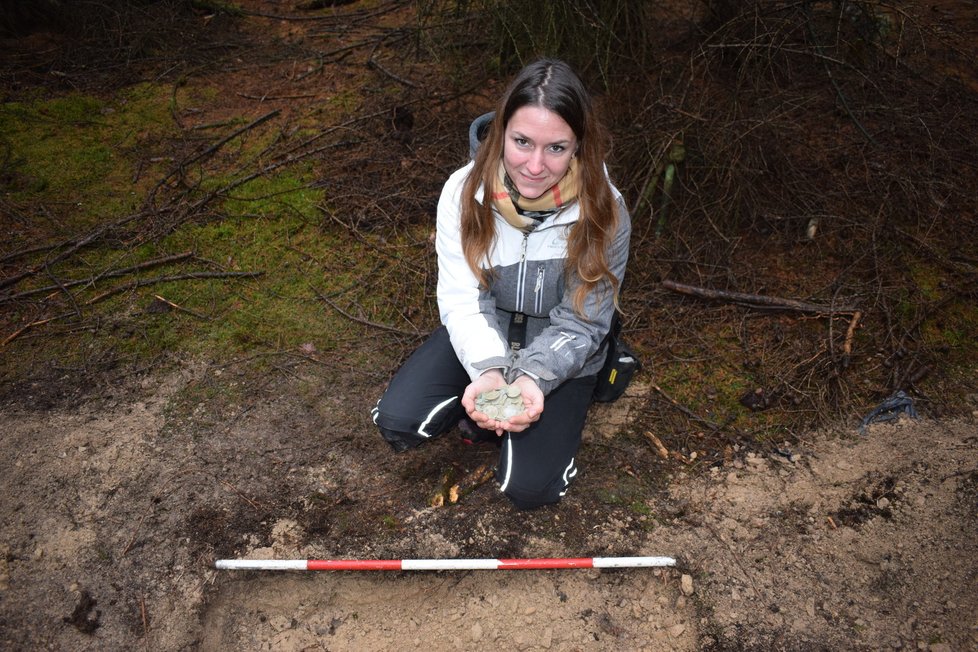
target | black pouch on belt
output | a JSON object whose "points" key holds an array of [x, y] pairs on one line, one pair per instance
{"points": [[619, 367], [517, 331]]}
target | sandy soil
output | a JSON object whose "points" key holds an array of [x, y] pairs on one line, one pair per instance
{"points": [[115, 508]]}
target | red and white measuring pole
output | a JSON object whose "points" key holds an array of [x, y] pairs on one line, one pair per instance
{"points": [[442, 564]]}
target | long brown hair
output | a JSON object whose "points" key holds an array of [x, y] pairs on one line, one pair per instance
{"points": [[552, 85]]}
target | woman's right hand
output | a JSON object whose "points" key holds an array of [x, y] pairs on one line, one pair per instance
{"points": [[492, 379]]}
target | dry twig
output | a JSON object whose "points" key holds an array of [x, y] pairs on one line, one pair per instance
{"points": [[156, 262], [365, 322], [757, 300]]}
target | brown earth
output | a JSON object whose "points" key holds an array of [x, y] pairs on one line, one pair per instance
{"points": [[115, 510], [121, 488]]}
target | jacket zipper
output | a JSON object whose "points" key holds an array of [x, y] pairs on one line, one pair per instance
{"points": [[538, 290], [522, 274]]}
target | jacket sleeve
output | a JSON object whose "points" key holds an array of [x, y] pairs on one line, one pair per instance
{"points": [[563, 348], [466, 310]]}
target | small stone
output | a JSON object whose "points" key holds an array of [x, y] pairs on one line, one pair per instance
{"points": [[677, 630], [476, 632], [686, 584], [548, 638], [940, 647]]}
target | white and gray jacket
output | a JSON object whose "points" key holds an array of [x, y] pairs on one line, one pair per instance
{"points": [[529, 278]]}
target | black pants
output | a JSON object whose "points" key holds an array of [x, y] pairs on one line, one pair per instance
{"points": [[536, 466]]}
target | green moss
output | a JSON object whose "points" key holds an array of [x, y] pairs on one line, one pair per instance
{"points": [[641, 507], [706, 385], [141, 116], [94, 159], [952, 330], [928, 280], [609, 496], [72, 109], [81, 152], [345, 101], [285, 194]]}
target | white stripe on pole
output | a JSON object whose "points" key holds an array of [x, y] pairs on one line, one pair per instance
{"points": [[261, 564], [449, 564], [633, 562]]}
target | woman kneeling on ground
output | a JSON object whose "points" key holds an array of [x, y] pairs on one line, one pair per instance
{"points": [[532, 243]]}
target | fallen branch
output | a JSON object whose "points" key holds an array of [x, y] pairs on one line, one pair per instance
{"points": [[679, 406], [828, 71], [132, 539], [262, 98], [210, 150], [14, 255], [847, 346], [660, 448], [758, 301], [181, 308], [91, 281], [714, 427], [312, 5], [129, 286], [142, 611], [132, 285], [23, 329], [373, 63], [243, 497], [73, 246], [365, 322]]}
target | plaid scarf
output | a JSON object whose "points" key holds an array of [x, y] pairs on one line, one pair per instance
{"points": [[526, 214]]}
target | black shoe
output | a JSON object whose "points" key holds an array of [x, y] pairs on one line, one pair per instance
{"points": [[398, 444], [472, 434]]}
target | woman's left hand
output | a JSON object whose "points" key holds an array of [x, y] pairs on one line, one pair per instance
{"points": [[532, 403], [492, 379]]}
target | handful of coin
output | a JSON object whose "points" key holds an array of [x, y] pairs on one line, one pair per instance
{"points": [[500, 404]]}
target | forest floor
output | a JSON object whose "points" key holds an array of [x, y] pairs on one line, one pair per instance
{"points": [[124, 477]]}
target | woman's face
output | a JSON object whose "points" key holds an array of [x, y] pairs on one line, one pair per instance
{"points": [[537, 150]]}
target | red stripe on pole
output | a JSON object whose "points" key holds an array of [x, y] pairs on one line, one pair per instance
{"points": [[353, 564], [531, 564]]}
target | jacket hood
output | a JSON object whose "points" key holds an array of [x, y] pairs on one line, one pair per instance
{"points": [[478, 131]]}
